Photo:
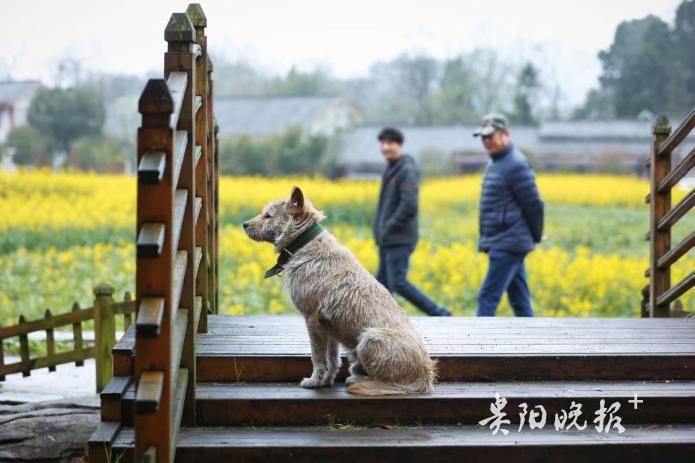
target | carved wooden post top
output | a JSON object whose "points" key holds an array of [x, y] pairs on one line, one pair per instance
{"points": [[180, 33], [103, 289], [661, 126], [196, 15]]}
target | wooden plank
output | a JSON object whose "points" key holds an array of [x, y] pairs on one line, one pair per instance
{"points": [[470, 367], [677, 290], [198, 207], [287, 404], [102, 438], [180, 143], [198, 153], [446, 444], [25, 327], [149, 392], [673, 215], [678, 251], [34, 363], [177, 82], [198, 253], [180, 199], [111, 398], [50, 340], [179, 398], [178, 338], [149, 320], [123, 352], [151, 168], [198, 103], [680, 171], [116, 388], [150, 240], [678, 135], [179, 273]]}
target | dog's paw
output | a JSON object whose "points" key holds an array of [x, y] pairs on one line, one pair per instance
{"points": [[311, 383]]}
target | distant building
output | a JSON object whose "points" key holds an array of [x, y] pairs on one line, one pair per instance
{"points": [[259, 116], [582, 146], [15, 97]]}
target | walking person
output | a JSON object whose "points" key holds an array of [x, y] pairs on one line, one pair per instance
{"points": [[510, 221], [396, 222]]}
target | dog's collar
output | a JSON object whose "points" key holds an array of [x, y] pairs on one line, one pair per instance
{"points": [[287, 252]]}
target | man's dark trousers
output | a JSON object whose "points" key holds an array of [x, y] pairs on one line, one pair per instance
{"points": [[393, 268], [506, 272]]}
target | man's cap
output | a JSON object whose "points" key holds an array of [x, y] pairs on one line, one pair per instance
{"points": [[490, 123]]}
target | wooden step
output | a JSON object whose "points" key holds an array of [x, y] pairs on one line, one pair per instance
{"points": [[276, 348], [270, 404], [637, 444], [232, 404]]}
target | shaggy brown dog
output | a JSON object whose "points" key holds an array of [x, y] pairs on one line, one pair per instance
{"points": [[342, 303]]}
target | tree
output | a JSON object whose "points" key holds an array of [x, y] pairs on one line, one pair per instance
{"points": [[527, 88], [97, 153], [403, 88], [493, 88], [599, 105], [298, 83], [292, 152], [29, 146], [453, 101], [63, 115], [642, 68], [684, 38]]}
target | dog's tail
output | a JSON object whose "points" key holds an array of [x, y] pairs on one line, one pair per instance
{"points": [[376, 387]]}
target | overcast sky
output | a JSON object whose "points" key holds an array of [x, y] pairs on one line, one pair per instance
{"points": [[126, 36]]}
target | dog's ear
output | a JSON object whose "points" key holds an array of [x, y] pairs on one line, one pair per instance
{"points": [[297, 198]]}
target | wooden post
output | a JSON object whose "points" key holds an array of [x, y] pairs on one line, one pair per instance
{"points": [[77, 334], [24, 350], [216, 215], [2, 360], [659, 205], [50, 339], [127, 316], [155, 271], [181, 56], [202, 173], [211, 189], [104, 333]]}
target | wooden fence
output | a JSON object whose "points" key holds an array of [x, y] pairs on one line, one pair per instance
{"points": [[663, 217], [104, 313], [176, 249]]}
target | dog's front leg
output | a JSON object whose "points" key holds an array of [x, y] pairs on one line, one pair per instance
{"points": [[319, 338]]}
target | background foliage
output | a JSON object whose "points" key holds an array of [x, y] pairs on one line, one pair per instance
{"points": [[62, 234]]}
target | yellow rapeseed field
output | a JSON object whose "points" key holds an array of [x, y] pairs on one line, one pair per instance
{"points": [[62, 233]]}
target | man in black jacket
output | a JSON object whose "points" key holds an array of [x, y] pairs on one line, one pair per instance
{"points": [[396, 224], [511, 219]]}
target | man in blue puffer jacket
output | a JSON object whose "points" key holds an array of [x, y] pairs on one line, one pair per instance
{"points": [[511, 219]]}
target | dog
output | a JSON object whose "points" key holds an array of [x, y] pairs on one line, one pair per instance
{"points": [[342, 303]]}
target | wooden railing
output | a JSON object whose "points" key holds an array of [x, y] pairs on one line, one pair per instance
{"points": [[104, 313], [176, 269], [663, 217]]}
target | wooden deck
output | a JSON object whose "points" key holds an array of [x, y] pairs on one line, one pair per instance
{"points": [[250, 408]]}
